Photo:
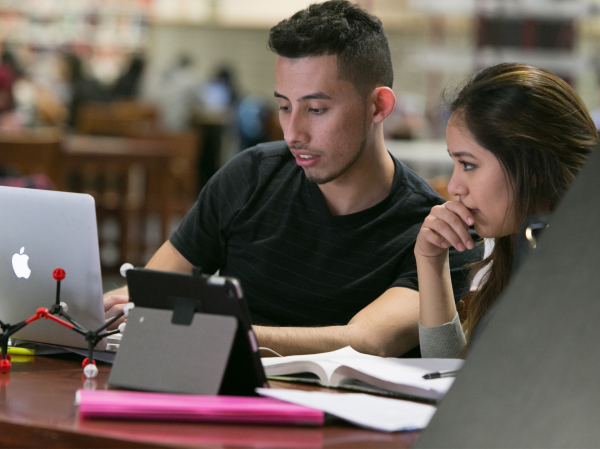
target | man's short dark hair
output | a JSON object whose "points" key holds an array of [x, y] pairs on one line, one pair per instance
{"points": [[343, 29]]}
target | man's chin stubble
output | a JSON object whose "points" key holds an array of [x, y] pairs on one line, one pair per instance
{"points": [[317, 180]]}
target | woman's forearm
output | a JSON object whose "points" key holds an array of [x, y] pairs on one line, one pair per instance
{"points": [[437, 305]]}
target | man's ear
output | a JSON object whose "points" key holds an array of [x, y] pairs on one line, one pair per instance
{"points": [[384, 100]]}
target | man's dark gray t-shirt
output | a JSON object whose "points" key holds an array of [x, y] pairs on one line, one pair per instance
{"points": [[260, 220]]}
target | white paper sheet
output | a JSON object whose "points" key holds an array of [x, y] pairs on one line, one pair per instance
{"points": [[372, 412]]}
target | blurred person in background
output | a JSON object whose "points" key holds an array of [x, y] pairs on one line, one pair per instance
{"points": [[10, 119], [408, 118], [127, 85], [30, 104], [220, 93], [176, 93], [80, 88], [219, 98], [8, 76], [253, 114]]}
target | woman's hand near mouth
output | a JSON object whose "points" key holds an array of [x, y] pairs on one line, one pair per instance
{"points": [[446, 225]]}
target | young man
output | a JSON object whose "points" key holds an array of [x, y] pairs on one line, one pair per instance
{"points": [[320, 229]]}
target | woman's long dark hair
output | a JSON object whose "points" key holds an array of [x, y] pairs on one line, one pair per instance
{"points": [[541, 133]]}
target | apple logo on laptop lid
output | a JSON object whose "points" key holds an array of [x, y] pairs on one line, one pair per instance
{"points": [[19, 263]]}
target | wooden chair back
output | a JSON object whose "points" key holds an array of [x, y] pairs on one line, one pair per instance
{"points": [[184, 170], [119, 118], [28, 153]]}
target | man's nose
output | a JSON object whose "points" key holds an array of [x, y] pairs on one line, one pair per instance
{"points": [[295, 131]]}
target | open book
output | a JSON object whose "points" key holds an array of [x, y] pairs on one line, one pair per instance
{"points": [[349, 369]]}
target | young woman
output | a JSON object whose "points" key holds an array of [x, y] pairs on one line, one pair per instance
{"points": [[518, 136]]}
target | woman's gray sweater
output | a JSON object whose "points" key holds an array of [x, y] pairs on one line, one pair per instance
{"points": [[445, 341]]}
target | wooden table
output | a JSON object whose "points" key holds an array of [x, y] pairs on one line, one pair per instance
{"points": [[37, 410]]}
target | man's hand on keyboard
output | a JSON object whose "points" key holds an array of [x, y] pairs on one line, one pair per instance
{"points": [[113, 305]]}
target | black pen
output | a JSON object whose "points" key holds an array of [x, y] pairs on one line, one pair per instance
{"points": [[438, 374]]}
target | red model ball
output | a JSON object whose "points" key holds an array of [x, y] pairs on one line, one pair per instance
{"points": [[59, 274], [4, 366]]}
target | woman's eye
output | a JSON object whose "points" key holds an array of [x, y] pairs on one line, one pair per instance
{"points": [[467, 166], [317, 111], [284, 108]]}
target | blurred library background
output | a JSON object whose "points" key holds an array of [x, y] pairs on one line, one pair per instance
{"points": [[139, 102]]}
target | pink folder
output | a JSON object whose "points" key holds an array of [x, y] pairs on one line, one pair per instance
{"points": [[114, 404]]}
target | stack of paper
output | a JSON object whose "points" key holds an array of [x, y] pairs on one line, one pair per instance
{"points": [[373, 412], [159, 406]]}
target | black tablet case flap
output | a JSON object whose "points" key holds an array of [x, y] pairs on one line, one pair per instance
{"points": [[157, 355], [532, 377]]}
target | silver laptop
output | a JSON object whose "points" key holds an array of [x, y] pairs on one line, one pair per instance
{"points": [[40, 231]]}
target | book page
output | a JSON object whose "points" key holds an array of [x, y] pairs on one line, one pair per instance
{"points": [[345, 353], [322, 369], [320, 364], [405, 371]]}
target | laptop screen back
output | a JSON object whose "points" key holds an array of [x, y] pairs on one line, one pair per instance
{"points": [[41, 231]]}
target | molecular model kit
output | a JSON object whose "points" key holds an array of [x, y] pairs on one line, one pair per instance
{"points": [[58, 313]]}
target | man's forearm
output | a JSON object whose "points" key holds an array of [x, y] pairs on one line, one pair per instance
{"points": [[302, 340], [387, 327], [314, 340]]}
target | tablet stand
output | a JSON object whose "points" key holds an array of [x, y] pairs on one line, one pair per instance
{"points": [[184, 296], [157, 354]]}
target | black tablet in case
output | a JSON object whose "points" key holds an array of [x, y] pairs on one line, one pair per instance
{"points": [[189, 297]]}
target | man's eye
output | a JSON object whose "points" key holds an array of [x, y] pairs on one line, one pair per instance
{"points": [[284, 108], [317, 111]]}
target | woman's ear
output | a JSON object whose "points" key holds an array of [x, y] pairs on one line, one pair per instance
{"points": [[384, 100]]}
